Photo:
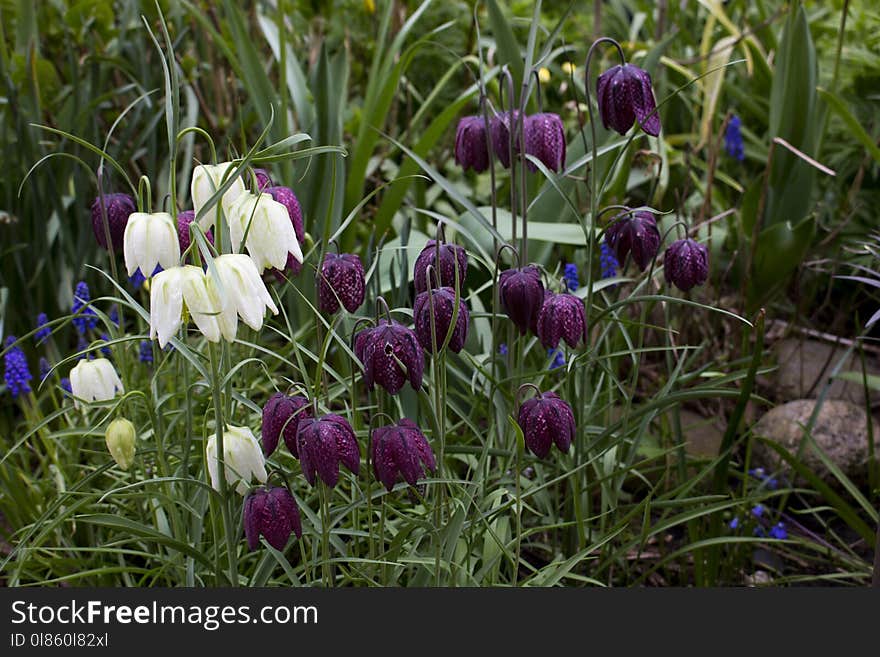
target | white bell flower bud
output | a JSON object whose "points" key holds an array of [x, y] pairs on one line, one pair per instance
{"points": [[206, 180], [242, 457], [271, 235], [150, 239], [94, 380], [243, 291]]}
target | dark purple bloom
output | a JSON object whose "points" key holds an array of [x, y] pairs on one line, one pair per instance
{"points": [[43, 331], [546, 419], [184, 219], [522, 294], [401, 450], [264, 180], [471, 147], [636, 233], [322, 444], [85, 318], [499, 128], [342, 276], [15, 369], [545, 140], [272, 512], [380, 349], [444, 307], [562, 316], [625, 95], [282, 415], [118, 207], [451, 256], [286, 197], [686, 263]]}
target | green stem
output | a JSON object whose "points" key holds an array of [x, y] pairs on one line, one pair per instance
{"points": [[226, 502]]}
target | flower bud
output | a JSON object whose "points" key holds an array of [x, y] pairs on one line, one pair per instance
{"points": [[625, 95], [119, 208], [120, 437], [264, 180], [341, 280], [686, 264], [184, 219]]}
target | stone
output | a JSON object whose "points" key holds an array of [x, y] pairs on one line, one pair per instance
{"points": [[841, 431], [805, 365], [702, 435]]}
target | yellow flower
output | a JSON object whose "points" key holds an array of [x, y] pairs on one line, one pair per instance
{"points": [[370, 6], [568, 68], [544, 74]]}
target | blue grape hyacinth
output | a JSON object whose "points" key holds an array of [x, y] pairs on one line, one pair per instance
{"points": [[608, 263], [571, 277], [558, 358], [43, 331], [16, 372], [45, 367], [145, 352], [733, 139], [87, 319]]}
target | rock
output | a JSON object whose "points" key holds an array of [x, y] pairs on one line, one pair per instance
{"points": [[805, 365], [702, 435], [841, 431]]}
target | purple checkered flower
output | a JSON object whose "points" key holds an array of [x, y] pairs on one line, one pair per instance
{"points": [[323, 443], [471, 147], [545, 140], [385, 351], [636, 233], [562, 316], [546, 419], [118, 207], [272, 512], [264, 180], [282, 415], [521, 293], [286, 197], [401, 450], [625, 95], [686, 264], [443, 301], [452, 257], [341, 280]]}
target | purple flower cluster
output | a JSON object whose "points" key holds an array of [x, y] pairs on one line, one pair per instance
{"points": [[43, 331], [85, 317], [543, 135], [16, 373]]}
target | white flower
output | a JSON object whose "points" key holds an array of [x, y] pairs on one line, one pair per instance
{"points": [[242, 456], [150, 240], [171, 289], [206, 180], [271, 235], [242, 292], [94, 380]]}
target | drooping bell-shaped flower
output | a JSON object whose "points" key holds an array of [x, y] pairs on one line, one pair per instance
{"points": [[625, 95], [546, 419], [189, 285], [184, 219], [471, 147], [281, 417], [636, 233], [271, 512], [242, 456], [545, 140], [119, 207], [341, 280], [521, 293], [443, 301], [270, 238], [500, 126], [451, 258], [120, 438], [286, 197], [383, 349], [562, 316], [401, 451], [323, 443], [264, 180], [207, 179], [150, 239], [686, 264], [242, 292], [94, 380]]}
